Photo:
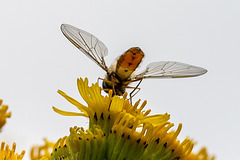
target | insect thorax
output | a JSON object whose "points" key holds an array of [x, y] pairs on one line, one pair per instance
{"points": [[112, 81]]}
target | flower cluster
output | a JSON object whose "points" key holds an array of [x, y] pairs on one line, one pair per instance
{"points": [[9, 154], [119, 130], [37, 152], [3, 114], [5, 152], [201, 155]]}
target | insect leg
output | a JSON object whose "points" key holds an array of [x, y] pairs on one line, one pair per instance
{"points": [[99, 79], [104, 80], [113, 85], [134, 89]]}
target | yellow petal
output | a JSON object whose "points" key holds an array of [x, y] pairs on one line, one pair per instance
{"points": [[66, 113], [81, 107], [157, 119]]}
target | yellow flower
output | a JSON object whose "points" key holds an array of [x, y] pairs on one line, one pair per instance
{"points": [[82, 144], [38, 152], [118, 130], [9, 154], [3, 114], [103, 110], [201, 155]]}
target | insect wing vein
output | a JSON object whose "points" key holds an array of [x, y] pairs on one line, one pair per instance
{"points": [[87, 43], [170, 69]]}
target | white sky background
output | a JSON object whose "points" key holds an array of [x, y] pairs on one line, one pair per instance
{"points": [[37, 60]]}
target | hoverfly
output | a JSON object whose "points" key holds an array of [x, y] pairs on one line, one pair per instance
{"points": [[122, 72]]}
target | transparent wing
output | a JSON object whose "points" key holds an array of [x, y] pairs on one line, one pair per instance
{"points": [[170, 69], [87, 43]]}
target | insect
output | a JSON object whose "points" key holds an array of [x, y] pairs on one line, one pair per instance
{"points": [[122, 72]]}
